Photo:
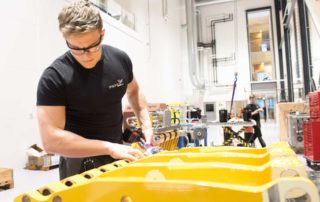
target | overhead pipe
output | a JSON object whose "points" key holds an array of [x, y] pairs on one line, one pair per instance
{"points": [[192, 45], [199, 38], [214, 43]]}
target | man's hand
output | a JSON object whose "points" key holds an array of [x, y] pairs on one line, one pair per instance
{"points": [[148, 135], [257, 111], [119, 151], [260, 110]]}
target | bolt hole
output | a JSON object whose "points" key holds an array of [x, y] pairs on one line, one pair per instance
{"points": [[57, 199], [68, 183], [87, 176], [26, 199], [46, 192], [125, 199]]}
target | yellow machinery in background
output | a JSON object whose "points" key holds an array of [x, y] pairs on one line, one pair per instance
{"points": [[189, 174]]}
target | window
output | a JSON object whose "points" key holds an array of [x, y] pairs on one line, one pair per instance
{"points": [[260, 44]]}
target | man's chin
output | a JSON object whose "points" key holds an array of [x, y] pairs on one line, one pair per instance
{"points": [[88, 65]]}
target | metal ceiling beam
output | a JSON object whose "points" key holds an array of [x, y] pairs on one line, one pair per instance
{"points": [[210, 2]]}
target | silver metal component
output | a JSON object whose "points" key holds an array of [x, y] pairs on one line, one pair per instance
{"points": [[165, 129], [199, 133], [132, 121], [295, 130]]}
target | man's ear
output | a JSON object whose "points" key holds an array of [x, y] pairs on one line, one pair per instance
{"points": [[103, 31]]}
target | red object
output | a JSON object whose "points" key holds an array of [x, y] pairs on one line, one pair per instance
{"points": [[311, 133], [314, 106], [311, 129]]}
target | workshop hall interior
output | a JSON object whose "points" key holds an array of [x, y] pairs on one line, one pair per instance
{"points": [[230, 89]]}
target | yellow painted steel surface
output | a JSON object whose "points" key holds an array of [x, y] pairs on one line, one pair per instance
{"points": [[190, 174]]}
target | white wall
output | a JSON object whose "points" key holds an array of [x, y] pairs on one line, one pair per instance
{"points": [[226, 43], [314, 9], [165, 61], [31, 41], [155, 48]]}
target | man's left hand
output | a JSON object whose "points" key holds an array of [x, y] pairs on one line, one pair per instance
{"points": [[148, 135]]}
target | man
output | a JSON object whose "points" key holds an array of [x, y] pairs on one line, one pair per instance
{"points": [[255, 110], [79, 96]]}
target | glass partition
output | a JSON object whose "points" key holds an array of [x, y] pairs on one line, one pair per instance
{"points": [[260, 40], [295, 53], [119, 10]]}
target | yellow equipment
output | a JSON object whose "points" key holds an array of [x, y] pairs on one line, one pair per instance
{"points": [[190, 174]]}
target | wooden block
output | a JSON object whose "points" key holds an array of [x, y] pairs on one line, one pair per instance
{"points": [[43, 161], [36, 167], [6, 178], [283, 109]]}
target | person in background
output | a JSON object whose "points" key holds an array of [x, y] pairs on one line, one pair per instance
{"points": [[79, 107], [255, 115], [265, 113]]}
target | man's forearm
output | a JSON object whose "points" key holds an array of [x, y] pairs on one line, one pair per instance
{"points": [[144, 118], [69, 144], [139, 106]]}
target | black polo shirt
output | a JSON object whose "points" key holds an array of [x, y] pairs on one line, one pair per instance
{"points": [[92, 97], [252, 108]]}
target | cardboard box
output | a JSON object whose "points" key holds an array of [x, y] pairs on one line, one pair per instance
{"points": [[38, 159], [6, 178], [283, 109]]}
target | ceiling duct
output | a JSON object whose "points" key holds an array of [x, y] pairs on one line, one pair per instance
{"points": [[192, 45]]}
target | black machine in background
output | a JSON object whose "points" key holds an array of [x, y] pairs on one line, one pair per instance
{"points": [[194, 113], [224, 116]]}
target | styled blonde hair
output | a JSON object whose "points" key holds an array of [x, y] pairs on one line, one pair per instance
{"points": [[79, 16]]}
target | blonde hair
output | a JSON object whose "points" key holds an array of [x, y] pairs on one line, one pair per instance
{"points": [[79, 17]]}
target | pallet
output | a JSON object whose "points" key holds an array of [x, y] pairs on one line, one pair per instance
{"points": [[6, 178], [6, 185]]}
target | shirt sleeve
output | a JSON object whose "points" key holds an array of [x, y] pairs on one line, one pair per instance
{"points": [[50, 90], [128, 67]]}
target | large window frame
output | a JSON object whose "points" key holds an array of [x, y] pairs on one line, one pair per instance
{"points": [[253, 77]]}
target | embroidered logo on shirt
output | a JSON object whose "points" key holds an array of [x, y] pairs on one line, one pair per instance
{"points": [[117, 85]]}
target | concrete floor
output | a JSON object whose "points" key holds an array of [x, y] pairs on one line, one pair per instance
{"points": [[26, 180]]}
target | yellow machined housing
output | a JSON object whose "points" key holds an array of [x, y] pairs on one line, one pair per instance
{"points": [[190, 174]]}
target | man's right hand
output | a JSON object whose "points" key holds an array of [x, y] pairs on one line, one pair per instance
{"points": [[260, 110], [119, 151]]}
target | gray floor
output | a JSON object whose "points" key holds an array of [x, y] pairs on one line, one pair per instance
{"points": [[26, 180]]}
